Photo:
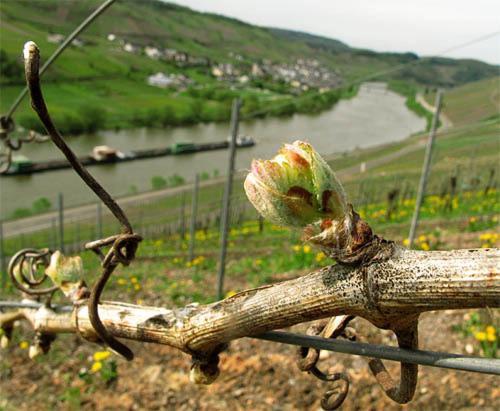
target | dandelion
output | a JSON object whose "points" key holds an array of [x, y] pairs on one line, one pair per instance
{"points": [[491, 333], [23, 345], [406, 242], [96, 367], [121, 281], [230, 293], [296, 248], [101, 355], [480, 336], [137, 287], [425, 246], [422, 238], [133, 280], [320, 256], [306, 249]]}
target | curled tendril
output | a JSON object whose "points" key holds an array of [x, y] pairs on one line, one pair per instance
{"points": [[24, 271], [307, 360], [10, 144]]}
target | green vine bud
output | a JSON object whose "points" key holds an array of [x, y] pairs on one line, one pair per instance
{"points": [[296, 188], [66, 273], [4, 341]]}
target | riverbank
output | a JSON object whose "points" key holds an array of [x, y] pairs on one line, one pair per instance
{"points": [[123, 104], [371, 118]]}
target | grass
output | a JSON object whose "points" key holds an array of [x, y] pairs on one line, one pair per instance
{"points": [[471, 102]]}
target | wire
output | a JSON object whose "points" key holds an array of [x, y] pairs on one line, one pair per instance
{"points": [[60, 49], [430, 358]]}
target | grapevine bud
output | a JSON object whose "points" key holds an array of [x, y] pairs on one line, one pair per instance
{"points": [[296, 188], [66, 273]]}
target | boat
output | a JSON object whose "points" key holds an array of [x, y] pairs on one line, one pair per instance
{"points": [[21, 165]]}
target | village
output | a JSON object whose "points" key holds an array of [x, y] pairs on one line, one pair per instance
{"points": [[300, 76]]}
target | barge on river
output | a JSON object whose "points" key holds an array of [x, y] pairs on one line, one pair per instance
{"points": [[106, 155]]}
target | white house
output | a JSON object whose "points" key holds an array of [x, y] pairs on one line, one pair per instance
{"points": [[55, 38], [152, 52], [160, 80]]}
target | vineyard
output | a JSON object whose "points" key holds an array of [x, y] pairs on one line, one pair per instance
{"points": [[366, 279]]}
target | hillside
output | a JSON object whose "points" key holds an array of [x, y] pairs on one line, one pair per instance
{"points": [[471, 102], [112, 78]]}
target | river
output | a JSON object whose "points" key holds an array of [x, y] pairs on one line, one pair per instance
{"points": [[375, 116]]}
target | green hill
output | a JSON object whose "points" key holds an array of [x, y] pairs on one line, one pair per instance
{"points": [[103, 82], [471, 102]]}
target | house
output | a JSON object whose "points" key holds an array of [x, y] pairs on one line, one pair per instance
{"points": [[160, 80], [130, 48], [55, 38], [152, 52]]}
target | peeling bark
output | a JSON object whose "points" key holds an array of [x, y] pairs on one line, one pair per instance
{"points": [[391, 294]]}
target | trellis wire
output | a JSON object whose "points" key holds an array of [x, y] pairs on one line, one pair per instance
{"points": [[421, 357]]}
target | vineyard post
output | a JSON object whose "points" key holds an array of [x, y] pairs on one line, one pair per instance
{"points": [[99, 220], [53, 236], [425, 169], [194, 210], [60, 209], [227, 197], [183, 217]]}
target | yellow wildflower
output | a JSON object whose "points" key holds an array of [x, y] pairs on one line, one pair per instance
{"points": [[230, 293], [96, 367], [480, 336], [422, 238], [425, 246], [137, 287], [101, 355], [23, 345], [307, 249], [406, 242], [296, 248], [320, 256], [491, 333], [133, 280], [121, 281]]}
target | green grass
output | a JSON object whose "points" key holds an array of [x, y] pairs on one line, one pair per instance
{"points": [[471, 102]]}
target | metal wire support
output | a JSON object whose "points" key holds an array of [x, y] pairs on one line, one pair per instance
{"points": [[122, 246], [27, 271]]}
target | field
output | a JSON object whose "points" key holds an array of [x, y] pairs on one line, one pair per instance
{"points": [[471, 102]]}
